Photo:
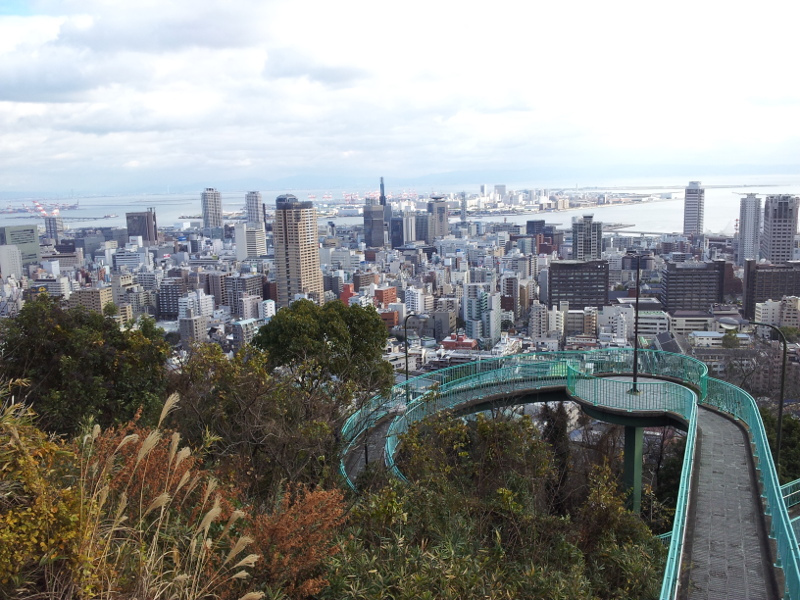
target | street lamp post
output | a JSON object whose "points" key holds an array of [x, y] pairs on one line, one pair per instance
{"points": [[635, 388], [729, 321], [405, 333]]}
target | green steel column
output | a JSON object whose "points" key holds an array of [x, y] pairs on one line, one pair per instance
{"points": [[633, 466]]}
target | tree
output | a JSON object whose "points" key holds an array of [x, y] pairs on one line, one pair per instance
{"points": [[344, 342], [80, 366], [730, 339]]}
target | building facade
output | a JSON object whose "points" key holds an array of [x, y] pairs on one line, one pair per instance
{"points": [[749, 229], [579, 283], [211, 201], [693, 209], [254, 208], [692, 285], [780, 228], [144, 225], [297, 266], [587, 238]]}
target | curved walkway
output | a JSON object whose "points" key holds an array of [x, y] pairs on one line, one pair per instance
{"points": [[727, 554], [719, 548]]}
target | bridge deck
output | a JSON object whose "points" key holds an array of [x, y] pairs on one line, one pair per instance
{"points": [[727, 554]]}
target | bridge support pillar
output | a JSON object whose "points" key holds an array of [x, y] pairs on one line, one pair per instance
{"points": [[633, 466]]}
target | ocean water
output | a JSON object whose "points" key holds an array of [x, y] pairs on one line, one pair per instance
{"points": [[663, 216]]}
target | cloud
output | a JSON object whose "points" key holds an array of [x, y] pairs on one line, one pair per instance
{"points": [[289, 63]]}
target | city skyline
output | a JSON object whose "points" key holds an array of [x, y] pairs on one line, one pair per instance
{"points": [[137, 95]]}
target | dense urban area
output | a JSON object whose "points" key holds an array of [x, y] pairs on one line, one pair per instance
{"points": [[185, 390]]}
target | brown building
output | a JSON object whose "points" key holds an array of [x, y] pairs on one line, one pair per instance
{"points": [[92, 298], [385, 296], [768, 282]]}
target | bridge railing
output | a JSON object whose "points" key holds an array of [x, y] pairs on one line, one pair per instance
{"points": [[791, 493], [738, 403]]}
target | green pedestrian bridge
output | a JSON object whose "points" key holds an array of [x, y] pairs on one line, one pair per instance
{"points": [[732, 535]]}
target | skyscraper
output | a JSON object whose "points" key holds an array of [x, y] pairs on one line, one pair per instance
{"points": [[373, 225], [254, 208], [780, 227], [693, 209], [296, 250], [212, 208], [749, 228], [54, 226], [143, 224], [587, 238], [251, 241], [24, 237], [439, 225]]}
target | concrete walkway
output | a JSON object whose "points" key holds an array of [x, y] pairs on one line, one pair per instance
{"points": [[727, 549]]}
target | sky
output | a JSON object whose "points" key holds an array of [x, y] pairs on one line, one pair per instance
{"points": [[130, 95]]}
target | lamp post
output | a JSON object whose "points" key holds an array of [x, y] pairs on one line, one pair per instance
{"points": [[405, 333], [726, 321], [635, 388]]}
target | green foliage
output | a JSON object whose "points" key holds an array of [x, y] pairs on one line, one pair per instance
{"points": [[345, 342], [729, 340], [790, 442], [82, 367], [792, 334]]}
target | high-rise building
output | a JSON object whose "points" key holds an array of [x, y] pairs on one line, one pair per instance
{"points": [[764, 282], [587, 238], [749, 228], [25, 238], [143, 224], [535, 227], [296, 250], [579, 283], [780, 227], [439, 225], [692, 285], [212, 208], [693, 209], [255, 208], [373, 225], [54, 227], [10, 262], [251, 241]]}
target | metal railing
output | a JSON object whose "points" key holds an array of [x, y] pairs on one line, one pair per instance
{"points": [[577, 372]]}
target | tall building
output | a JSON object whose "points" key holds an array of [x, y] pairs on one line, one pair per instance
{"points": [[254, 208], [693, 209], [296, 250], [749, 229], [251, 241], [780, 227], [373, 225], [212, 208], [692, 285], [587, 238], [26, 239], [764, 282], [143, 224], [10, 262], [439, 225], [579, 283], [54, 227]]}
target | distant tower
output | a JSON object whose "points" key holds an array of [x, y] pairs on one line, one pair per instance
{"points": [[693, 209], [253, 206], [143, 224], [587, 238], [296, 250], [212, 208], [780, 227], [749, 228]]}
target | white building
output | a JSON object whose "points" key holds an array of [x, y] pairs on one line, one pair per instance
{"points": [[198, 303]]}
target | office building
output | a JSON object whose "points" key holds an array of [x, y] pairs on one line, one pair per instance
{"points": [[780, 228], [297, 267], [373, 225], [580, 283], [693, 209], [212, 208], [587, 238], [254, 208], [764, 282], [749, 229], [439, 226], [251, 241], [26, 239], [93, 299], [54, 227], [534, 228], [10, 262], [692, 285], [143, 224]]}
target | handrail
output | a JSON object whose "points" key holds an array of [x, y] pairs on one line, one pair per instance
{"points": [[741, 405], [791, 493], [577, 372]]}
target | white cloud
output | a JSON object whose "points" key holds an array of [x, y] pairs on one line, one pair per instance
{"points": [[90, 89]]}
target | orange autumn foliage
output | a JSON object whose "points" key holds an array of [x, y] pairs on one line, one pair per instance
{"points": [[295, 539]]}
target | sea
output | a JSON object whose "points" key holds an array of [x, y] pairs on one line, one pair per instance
{"points": [[657, 216]]}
